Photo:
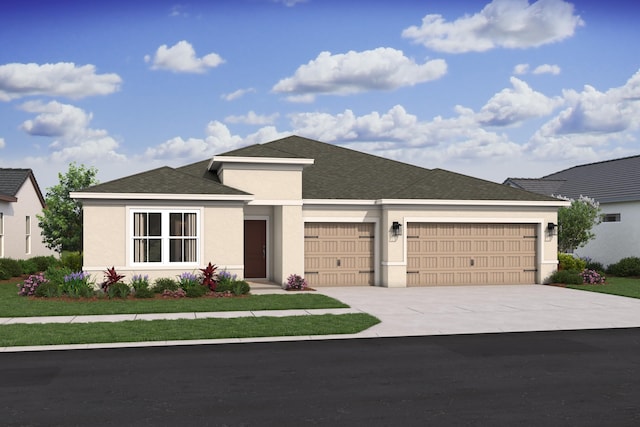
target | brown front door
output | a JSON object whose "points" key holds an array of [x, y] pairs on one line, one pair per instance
{"points": [[255, 249]]}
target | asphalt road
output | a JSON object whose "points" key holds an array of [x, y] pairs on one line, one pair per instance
{"points": [[572, 378]]}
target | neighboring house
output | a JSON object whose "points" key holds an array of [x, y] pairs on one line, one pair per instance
{"points": [[20, 202], [333, 215], [615, 184]]}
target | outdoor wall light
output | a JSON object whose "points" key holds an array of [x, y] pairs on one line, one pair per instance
{"points": [[396, 228], [551, 228]]}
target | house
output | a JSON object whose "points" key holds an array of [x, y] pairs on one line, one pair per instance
{"points": [[615, 184], [20, 202], [333, 215]]}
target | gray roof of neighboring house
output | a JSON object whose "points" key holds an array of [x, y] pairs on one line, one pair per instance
{"points": [[608, 181], [337, 173], [11, 180]]}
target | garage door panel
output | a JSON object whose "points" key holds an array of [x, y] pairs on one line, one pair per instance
{"points": [[344, 255], [471, 253]]}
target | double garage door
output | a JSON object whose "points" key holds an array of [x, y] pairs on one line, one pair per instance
{"points": [[471, 254], [342, 254]]}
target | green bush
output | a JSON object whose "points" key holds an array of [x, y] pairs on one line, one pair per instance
{"points": [[11, 267], [240, 287], [72, 260], [594, 265], [118, 290], [569, 262], [165, 284], [77, 284], [48, 290], [28, 266], [224, 286], [568, 277], [44, 262], [626, 267], [4, 274], [55, 274], [195, 291]]}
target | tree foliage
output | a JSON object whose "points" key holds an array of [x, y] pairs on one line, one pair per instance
{"points": [[61, 219], [576, 223]]}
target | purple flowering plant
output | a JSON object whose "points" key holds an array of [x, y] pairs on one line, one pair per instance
{"points": [[188, 280], [77, 284], [30, 285], [296, 282], [592, 277]]}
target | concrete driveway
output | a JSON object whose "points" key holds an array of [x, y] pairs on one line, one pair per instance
{"points": [[485, 309]]}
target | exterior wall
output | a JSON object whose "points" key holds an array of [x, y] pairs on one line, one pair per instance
{"points": [[14, 240], [615, 240], [288, 242], [107, 237], [264, 182]]}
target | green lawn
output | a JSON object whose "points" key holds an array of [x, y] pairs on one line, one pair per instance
{"points": [[165, 330], [12, 305], [623, 286]]}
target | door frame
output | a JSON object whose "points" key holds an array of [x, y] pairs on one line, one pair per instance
{"points": [[267, 260]]}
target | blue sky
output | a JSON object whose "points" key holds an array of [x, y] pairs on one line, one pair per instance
{"points": [[492, 89]]}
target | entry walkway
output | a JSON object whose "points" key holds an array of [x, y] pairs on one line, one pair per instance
{"points": [[416, 312]]}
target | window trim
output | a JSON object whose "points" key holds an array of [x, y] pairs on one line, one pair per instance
{"points": [[165, 236], [611, 217]]}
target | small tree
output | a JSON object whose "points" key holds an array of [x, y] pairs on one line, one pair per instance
{"points": [[61, 219], [576, 222]]}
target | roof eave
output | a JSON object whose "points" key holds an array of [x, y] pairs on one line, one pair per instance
{"points": [[162, 196], [439, 202]]}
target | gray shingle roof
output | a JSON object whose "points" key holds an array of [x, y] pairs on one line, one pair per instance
{"points": [[166, 180], [609, 181], [341, 173], [337, 173], [11, 180]]}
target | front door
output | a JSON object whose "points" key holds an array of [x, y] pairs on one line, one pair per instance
{"points": [[255, 249]]}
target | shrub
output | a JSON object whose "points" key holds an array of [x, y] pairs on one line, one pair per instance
{"points": [[30, 285], [4, 274], [11, 267], [190, 283], [48, 289], [56, 274], [568, 277], [72, 260], [165, 284], [569, 262], [592, 277], [208, 274], [626, 267], [118, 290], [140, 285], [44, 262], [225, 281], [111, 277], [240, 287], [27, 266], [77, 285], [296, 282], [593, 265]]}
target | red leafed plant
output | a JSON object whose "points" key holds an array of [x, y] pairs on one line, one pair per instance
{"points": [[110, 278], [208, 274]]}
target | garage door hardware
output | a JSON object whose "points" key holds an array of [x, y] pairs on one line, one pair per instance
{"points": [[366, 272], [413, 272], [365, 237], [311, 272], [311, 237]]}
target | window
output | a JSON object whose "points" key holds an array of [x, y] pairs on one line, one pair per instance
{"points": [[615, 217], [165, 236], [27, 244]]}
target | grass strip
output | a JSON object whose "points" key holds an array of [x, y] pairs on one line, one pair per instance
{"points": [[622, 286], [13, 305], [168, 330]]}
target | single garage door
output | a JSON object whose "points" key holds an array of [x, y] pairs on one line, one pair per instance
{"points": [[470, 254], [339, 254]]}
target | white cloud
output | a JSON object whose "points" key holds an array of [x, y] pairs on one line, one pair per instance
{"points": [[513, 106], [521, 69], [237, 94], [60, 79], [501, 23], [251, 118], [75, 140], [181, 58], [290, 3], [353, 72], [2, 143], [547, 69]]}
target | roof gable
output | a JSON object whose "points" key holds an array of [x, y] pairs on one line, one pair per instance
{"points": [[11, 180]]}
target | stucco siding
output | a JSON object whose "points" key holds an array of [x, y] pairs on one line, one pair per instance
{"points": [[615, 240], [264, 184]]}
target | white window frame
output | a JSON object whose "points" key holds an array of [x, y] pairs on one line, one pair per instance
{"points": [[1, 234], [27, 246], [164, 236]]}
